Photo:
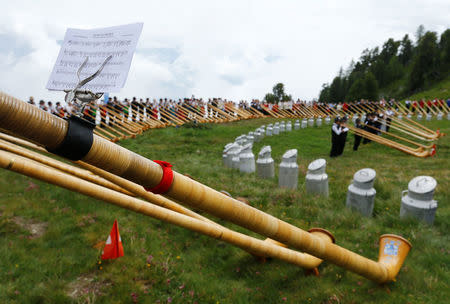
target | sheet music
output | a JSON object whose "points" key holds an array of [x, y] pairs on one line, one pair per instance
{"points": [[97, 44]]}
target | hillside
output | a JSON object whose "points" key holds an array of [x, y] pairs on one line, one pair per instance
{"points": [[59, 262], [397, 69], [440, 90]]}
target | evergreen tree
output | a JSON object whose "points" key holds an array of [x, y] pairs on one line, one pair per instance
{"points": [[325, 93], [425, 67], [419, 33], [444, 46], [406, 51], [390, 49], [357, 90], [336, 90], [371, 87]]}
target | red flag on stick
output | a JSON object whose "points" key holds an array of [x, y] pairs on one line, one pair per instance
{"points": [[113, 248]]}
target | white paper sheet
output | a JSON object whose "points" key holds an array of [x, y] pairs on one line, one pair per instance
{"points": [[97, 44]]}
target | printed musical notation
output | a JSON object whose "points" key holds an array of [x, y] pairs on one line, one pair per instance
{"points": [[118, 42]]}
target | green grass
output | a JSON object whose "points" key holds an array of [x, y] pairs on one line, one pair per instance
{"points": [[190, 268], [439, 90]]}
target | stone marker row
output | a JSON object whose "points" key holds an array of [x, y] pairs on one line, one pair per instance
{"points": [[416, 202]]}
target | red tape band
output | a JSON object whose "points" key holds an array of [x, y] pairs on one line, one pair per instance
{"points": [[166, 180]]}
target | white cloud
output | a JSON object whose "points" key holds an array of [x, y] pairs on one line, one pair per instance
{"points": [[234, 49]]}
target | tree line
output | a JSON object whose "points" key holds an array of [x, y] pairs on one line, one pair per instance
{"points": [[397, 69]]}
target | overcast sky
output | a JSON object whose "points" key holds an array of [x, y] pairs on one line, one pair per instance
{"points": [[230, 49]]}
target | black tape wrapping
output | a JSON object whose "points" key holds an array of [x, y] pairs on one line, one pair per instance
{"points": [[78, 140]]}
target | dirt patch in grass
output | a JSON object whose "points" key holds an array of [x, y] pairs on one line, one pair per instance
{"points": [[86, 288], [36, 229]]}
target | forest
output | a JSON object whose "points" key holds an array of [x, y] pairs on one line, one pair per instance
{"points": [[397, 69]]}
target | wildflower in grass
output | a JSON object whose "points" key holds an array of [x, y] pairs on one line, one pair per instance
{"points": [[168, 281], [169, 300], [148, 265], [100, 268], [134, 297], [284, 299], [178, 257], [181, 286], [191, 293], [149, 259]]}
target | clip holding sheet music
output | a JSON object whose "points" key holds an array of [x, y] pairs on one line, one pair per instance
{"points": [[83, 97]]}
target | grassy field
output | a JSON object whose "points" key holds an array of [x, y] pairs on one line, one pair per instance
{"points": [[48, 235]]}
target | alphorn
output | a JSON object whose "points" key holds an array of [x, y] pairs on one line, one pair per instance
{"points": [[392, 144], [38, 126], [255, 246]]}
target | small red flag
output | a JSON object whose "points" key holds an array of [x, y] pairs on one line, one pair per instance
{"points": [[433, 150], [113, 248]]}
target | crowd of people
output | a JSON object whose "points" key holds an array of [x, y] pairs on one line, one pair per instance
{"points": [[375, 122]]}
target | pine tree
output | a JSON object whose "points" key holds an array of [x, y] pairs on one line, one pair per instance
{"points": [[425, 67], [371, 87], [406, 51]]}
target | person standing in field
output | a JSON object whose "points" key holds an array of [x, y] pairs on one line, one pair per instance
{"points": [[336, 130]]}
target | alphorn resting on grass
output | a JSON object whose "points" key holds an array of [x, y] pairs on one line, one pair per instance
{"points": [[260, 248], [37, 126]]}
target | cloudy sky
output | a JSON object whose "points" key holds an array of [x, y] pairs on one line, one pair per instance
{"points": [[230, 49]]}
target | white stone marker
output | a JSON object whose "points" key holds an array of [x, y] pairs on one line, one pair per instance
{"points": [[234, 154], [400, 116], [241, 140], [448, 116], [262, 131], [225, 155], [419, 116], [247, 159], [288, 171], [304, 123], [269, 131], [418, 201], [316, 178], [409, 116], [297, 125], [428, 116], [311, 122], [319, 122], [282, 127], [288, 126], [327, 120], [361, 194], [439, 116], [276, 129], [250, 137], [265, 166]]}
